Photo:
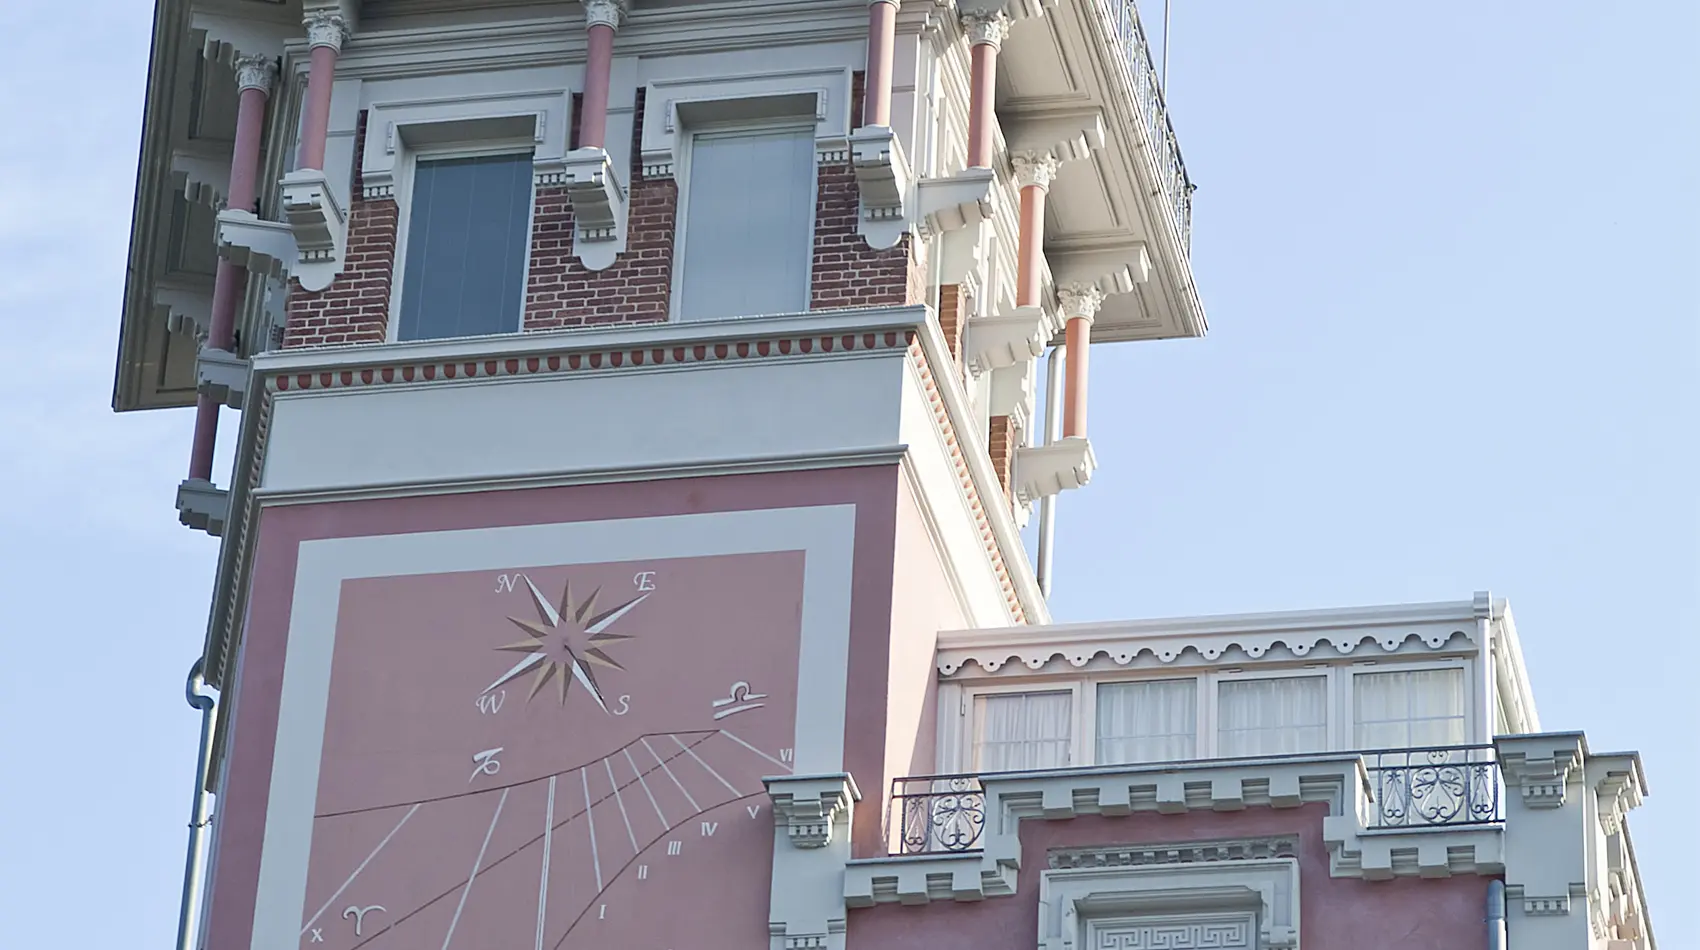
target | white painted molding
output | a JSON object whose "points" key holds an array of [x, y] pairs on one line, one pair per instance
{"points": [[538, 115], [962, 254], [1338, 780], [1064, 137], [1071, 898], [664, 133], [812, 819], [1541, 768], [1436, 627], [1115, 271], [228, 36], [320, 226], [1045, 470]]}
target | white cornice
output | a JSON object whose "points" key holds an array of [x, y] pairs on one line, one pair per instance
{"points": [[540, 343], [1436, 626]]}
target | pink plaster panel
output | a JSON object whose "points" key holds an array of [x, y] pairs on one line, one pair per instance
{"points": [[281, 530], [1335, 913], [922, 605]]}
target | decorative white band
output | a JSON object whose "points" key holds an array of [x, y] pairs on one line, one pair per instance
{"points": [[608, 13], [986, 28], [1080, 302], [325, 28], [895, 3], [255, 71], [1035, 169]]}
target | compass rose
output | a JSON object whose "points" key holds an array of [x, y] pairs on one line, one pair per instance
{"points": [[565, 642]]}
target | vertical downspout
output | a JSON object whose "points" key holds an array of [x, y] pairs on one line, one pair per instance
{"points": [[190, 907], [1496, 915], [1048, 504]]}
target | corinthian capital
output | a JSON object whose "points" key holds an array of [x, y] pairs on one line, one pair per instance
{"points": [[986, 28], [608, 13], [1080, 301], [1036, 169], [325, 28], [255, 71]]}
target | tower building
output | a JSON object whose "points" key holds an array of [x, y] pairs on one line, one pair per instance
{"points": [[635, 418]]}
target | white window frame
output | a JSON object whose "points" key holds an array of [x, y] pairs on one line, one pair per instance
{"points": [[1472, 691], [958, 742], [404, 215], [681, 218], [1327, 672], [971, 697], [1204, 708]]}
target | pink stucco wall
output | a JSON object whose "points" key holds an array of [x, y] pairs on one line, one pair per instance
{"points": [[1335, 913], [254, 701], [923, 603]]}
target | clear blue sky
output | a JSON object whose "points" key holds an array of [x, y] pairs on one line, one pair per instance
{"points": [[1449, 256]]}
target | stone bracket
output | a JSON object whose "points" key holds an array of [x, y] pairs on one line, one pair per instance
{"points": [[188, 308], [883, 180], [203, 506], [598, 199], [810, 806], [1541, 767], [222, 375], [320, 226], [950, 204], [1044, 470], [246, 240], [1004, 340]]}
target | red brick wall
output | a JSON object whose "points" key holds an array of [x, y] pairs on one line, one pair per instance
{"points": [[355, 308], [846, 271], [636, 288], [954, 307], [1002, 437]]}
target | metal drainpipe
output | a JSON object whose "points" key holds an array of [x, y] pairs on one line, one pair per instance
{"points": [[1496, 915], [198, 812], [1048, 504]]}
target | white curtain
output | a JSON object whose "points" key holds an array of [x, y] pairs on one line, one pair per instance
{"points": [[1147, 722], [1023, 731], [1409, 709], [1272, 716]]}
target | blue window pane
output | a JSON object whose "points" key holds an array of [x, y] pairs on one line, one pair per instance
{"points": [[467, 240]]}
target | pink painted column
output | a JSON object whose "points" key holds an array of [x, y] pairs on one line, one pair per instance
{"points": [[882, 39], [1079, 306], [986, 33], [1033, 174], [254, 78], [325, 34], [602, 17]]}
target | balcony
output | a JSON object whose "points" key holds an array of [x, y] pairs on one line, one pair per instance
{"points": [[1407, 789], [1164, 150]]}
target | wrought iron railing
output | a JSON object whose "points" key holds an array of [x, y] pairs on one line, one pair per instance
{"points": [[1141, 74], [935, 814], [1446, 786]]}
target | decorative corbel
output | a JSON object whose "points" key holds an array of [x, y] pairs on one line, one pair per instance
{"points": [[593, 184], [809, 807], [884, 181], [1006, 339]]}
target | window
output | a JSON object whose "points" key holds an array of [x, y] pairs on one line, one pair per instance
{"points": [[1023, 731], [1272, 716], [1409, 709], [468, 237], [747, 232], [1155, 721]]}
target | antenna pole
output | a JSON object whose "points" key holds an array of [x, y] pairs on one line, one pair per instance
{"points": [[1163, 82]]}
